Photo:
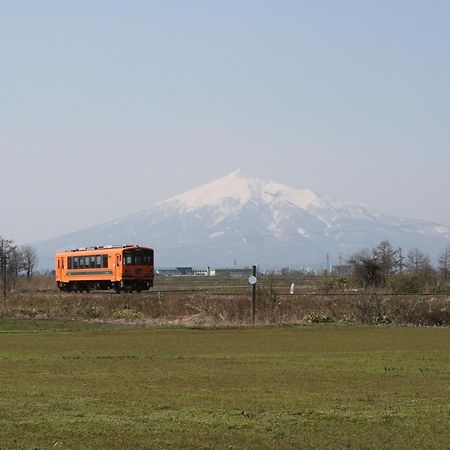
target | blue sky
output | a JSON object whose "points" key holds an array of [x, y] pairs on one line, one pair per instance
{"points": [[108, 107]]}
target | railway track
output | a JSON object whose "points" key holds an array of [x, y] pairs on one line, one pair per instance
{"points": [[226, 291]]}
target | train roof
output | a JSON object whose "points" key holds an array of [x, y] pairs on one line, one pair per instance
{"points": [[104, 247]]}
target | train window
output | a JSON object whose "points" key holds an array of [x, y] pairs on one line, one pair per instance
{"points": [[58, 263], [87, 262], [138, 257]]}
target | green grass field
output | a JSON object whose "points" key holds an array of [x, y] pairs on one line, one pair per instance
{"points": [[68, 385]]}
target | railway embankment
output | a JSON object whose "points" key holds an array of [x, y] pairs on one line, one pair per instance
{"points": [[210, 308]]}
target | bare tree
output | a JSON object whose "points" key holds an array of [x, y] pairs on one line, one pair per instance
{"points": [[7, 262], [374, 267], [15, 266], [418, 263], [29, 260], [387, 258], [444, 262], [366, 267]]}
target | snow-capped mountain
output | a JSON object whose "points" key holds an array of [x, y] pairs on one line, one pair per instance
{"points": [[241, 220]]}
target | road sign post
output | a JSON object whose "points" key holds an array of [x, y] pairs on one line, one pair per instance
{"points": [[252, 280]]}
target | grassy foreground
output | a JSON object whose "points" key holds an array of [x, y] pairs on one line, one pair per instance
{"points": [[85, 386]]}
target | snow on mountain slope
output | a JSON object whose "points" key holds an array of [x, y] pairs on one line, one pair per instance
{"points": [[253, 221], [234, 188], [238, 189], [230, 194]]}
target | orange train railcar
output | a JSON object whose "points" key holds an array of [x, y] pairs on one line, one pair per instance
{"points": [[124, 268]]}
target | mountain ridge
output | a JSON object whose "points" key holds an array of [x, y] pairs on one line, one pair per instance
{"points": [[252, 221]]}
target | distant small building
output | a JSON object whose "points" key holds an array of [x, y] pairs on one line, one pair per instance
{"points": [[234, 272], [167, 272], [185, 271], [208, 272]]}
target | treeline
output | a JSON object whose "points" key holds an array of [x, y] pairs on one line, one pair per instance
{"points": [[14, 262], [384, 266]]}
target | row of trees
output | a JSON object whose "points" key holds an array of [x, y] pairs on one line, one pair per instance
{"points": [[376, 266], [15, 261]]}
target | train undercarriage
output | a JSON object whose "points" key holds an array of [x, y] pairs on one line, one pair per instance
{"points": [[118, 286]]}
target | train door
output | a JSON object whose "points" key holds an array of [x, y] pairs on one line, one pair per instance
{"points": [[118, 267], [59, 268]]}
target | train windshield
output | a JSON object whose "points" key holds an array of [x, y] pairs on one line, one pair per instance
{"points": [[138, 257]]}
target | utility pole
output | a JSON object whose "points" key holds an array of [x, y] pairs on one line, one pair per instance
{"points": [[3, 268], [340, 262], [5, 251], [400, 260]]}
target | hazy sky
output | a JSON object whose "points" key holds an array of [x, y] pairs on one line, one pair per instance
{"points": [[107, 107]]}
